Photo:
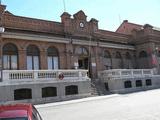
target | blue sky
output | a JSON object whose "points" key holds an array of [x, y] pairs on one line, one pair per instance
{"points": [[110, 13]]}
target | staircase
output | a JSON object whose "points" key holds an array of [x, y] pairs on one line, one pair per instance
{"points": [[98, 88], [94, 91]]}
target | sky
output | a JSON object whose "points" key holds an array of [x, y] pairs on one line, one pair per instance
{"points": [[109, 13]]}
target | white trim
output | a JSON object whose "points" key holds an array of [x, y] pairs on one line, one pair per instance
{"points": [[83, 42], [63, 40], [118, 46], [35, 37]]}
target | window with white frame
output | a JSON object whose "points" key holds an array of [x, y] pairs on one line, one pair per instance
{"points": [[33, 58], [53, 59], [10, 57]]}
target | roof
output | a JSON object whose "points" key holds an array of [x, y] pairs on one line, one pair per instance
{"points": [[127, 27], [31, 24], [15, 110], [112, 36]]}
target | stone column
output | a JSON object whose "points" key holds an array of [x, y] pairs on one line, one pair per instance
{"points": [[99, 60], [43, 59], [1, 57], [93, 67], [69, 56], [62, 60], [22, 59], [1, 51]]}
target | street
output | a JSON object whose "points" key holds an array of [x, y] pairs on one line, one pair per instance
{"points": [[144, 105]]}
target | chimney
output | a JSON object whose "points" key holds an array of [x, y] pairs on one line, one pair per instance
{"points": [[125, 21], [65, 16], [2, 9], [148, 28], [94, 24], [66, 20]]}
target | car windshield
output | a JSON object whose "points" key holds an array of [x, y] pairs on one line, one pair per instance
{"points": [[18, 118]]}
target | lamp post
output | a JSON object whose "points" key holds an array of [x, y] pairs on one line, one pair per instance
{"points": [[1, 53]]}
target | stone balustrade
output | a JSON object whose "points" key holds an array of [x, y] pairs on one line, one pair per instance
{"points": [[36, 75], [124, 73]]}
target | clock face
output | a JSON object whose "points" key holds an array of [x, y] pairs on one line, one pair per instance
{"points": [[81, 24]]}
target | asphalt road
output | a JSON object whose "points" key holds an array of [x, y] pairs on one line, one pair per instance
{"points": [[143, 105]]}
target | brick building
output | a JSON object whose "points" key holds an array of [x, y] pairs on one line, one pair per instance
{"points": [[75, 43]]}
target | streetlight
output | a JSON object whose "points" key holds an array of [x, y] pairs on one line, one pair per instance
{"points": [[1, 53]]}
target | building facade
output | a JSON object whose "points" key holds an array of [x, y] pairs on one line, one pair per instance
{"points": [[74, 43]]}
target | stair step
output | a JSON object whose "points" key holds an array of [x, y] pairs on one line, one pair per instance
{"points": [[98, 88]]}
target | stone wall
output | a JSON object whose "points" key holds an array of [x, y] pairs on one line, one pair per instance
{"points": [[7, 91]]}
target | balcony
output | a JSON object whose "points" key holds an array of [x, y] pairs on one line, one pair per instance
{"points": [[22, 76]]}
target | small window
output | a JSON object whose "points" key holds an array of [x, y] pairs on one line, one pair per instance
{"points": [[49, 92], [138, 83], [71, 90], [21, 94], [143, 54], [106, 86], [148, 82], [127, 84], [107, 54], [118, 55], [128, 56]]}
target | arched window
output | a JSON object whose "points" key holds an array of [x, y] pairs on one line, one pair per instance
{"points": [[107, 54], [142, 54], [82, 51], [53, 58], [127, 84], [128, 56], [33, 57], [107, 60], [118, 55], [71, 90], [82, 58], [21, 94], [49, 92], [118, 60], [10, 57]]}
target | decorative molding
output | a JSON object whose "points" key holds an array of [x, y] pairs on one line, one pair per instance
{"points": [[64, 40], [118, 46], [35, 37]]}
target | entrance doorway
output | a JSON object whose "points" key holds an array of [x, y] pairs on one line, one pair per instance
{"points": [[83, 63], [83, 59]]}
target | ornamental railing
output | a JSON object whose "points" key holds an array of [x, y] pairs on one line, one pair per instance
{"points": [[36, 75], [125, 73]]}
